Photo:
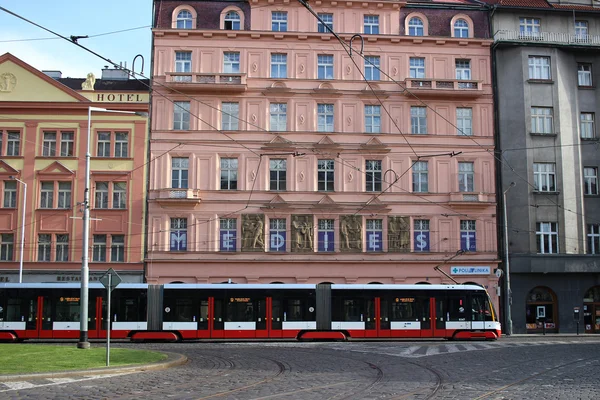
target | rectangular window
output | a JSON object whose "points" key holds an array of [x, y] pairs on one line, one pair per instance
{"points": [[590, 180], [230, 116], [327, 21], [541, 120], [183, 63], [421, 235], [584, 74], [10, 194], [466, 177], [418, 120], [13, 144], [228, 234], [278, 120], [62, 247], [49, 149], [374, 235], [371, 24], [539, 68], [547, 237], [325, 175], [325, 117], [231, 62], [99, 248], [468, 238], [181, 115], [278, 65], [277, 234], [544, 177], [463, 70], [178, 234], [373, 119], [373, 175], [324, 66], [44, 243], [103, 144], [464, 121], [229, 173], [326, 235], [66, 144], [121, 144], [64, 194], [277, 174], [117, 248], [420, 175], [179, 172], [279, 21], [119, 195], [529, 28], [372, 64], [47, 195], [581, 30], [101, 198], [586, 122], [593, 239], [6, 246], [417, 68]]}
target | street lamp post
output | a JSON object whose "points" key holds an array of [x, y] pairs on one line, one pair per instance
{"points": [[24, 208], [85, 273], [508, 294]]}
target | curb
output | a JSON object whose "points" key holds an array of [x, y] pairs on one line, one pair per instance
{"points": [[173, 360]]}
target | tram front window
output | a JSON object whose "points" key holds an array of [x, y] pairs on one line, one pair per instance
{"points": [[480, 308]]}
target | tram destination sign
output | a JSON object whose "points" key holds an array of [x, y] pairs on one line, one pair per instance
{"points": [[457, 270]]}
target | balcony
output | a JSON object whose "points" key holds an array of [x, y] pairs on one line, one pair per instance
{"points": [[443, 87], [176, 197], [471, 200], [196, 82], [547, 38]]}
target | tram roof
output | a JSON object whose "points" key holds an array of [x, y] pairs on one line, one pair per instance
{"points": [[233, 286], [405, 287]]}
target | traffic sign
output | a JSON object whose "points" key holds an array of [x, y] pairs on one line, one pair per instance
{"points": [[110, 279]]}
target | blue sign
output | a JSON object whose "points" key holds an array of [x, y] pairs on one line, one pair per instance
{"points": [[467, 241], [178, 240], [421, 241], [470, 270], [326, 241], [374, 241], [227, 240], [277, 242]]}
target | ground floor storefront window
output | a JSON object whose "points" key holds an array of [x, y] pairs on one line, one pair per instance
{"points": [[591, 310], [541, 311]]}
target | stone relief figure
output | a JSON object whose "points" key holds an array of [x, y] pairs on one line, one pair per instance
{"points": [[89, 83], [302, 233], [7, 82], [253, 232], [399, 234], [351, 233]]}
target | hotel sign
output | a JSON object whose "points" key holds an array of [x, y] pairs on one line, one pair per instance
{"points": [[115, 97]]}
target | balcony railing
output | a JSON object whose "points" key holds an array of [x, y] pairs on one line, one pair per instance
{"points": [[176, 196], [547, 37], [200, 81], [444, 86]]}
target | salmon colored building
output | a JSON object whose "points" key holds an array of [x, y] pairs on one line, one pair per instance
{"points": [[283, 164], [43, 139]]}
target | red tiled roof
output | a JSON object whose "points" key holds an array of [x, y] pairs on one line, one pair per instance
{"points": [[575, 7], [525, 3]]}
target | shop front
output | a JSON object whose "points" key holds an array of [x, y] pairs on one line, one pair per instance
{"points": [[591, 310], [541, 311]]}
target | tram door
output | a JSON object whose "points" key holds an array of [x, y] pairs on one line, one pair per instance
{"points": [[217, 323], [275, 317], [371, 317], [45, 322], [425, 310]]}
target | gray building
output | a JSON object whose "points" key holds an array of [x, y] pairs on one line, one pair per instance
{"points": [[546, 59]]}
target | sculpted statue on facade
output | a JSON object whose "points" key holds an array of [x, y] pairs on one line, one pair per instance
{"points": [[351, 233], [399, 234], [253, 232], [302, 233]]}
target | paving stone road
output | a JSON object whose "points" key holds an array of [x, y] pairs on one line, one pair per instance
{"points": [[511, 368]]}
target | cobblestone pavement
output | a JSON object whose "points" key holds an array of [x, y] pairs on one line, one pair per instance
{"points": [[513, 368]]}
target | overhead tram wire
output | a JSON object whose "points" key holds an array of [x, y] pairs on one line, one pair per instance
{"points": [[88, 37]]}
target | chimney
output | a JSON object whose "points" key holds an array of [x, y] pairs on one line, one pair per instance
{"points": [[53, 74], [115, 74]]}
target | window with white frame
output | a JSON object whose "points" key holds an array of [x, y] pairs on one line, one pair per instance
{"points": [[544, 177], [420, 177], [371, 24], [325, 117], [421, 235], [461, 28], [463, 69], [278, 65], [101, 195], [584, 74], [464, 121], [373, 175], [324, 66], [374, 235], [547, 237], [277, 174], [325, 235], [103, 144], [227, 234], [62, 247], [47, 195], [232, 21], [418, 120], [279, 21], [468, 235], [119, 195], [593, 238], [466, 177], [231, 62], [183, 61], [179, 172], [229, 173], [230, 114], [99, 248], [417, 67], [327, 21], [9, 195], [325, 175], [184, 20], [13, 143], [64, 194], [277, 234], [181, 115], [278, 117], [372, 119], [117, 248], [529, 28], [49, 149], [372, 71], [7, 243], [539, 68], [44, 247], [586, 125], [178, 234], [67, 140], [590, 180], [416, 27], [541, 120], [581, 30], [121, 144]]}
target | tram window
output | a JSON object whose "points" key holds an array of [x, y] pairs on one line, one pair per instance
{"points": [[240, 311], [404, 310], [351, 310], [15, 309], [183, 310], [457, 308], [130, 307], [67, 309], [294, 310], [480, 308]]}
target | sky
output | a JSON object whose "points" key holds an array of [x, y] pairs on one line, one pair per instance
{"points": [[80, 18]]}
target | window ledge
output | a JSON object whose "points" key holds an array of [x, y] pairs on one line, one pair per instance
{"points": [[586, 87], [596, 195], [54, 209], [553, 134], [107, 209], [106, 158], [594, 139], [54, 157], [547, 81], [553, 193]]}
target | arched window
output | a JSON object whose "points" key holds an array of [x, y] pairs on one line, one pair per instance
{"points": [[461, 28], [232, 21], [416, 27], [184, 20], [541, 308], [591, 310]]}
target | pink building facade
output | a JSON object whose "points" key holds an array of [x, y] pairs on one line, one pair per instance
{"points": [[283, 164]]}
